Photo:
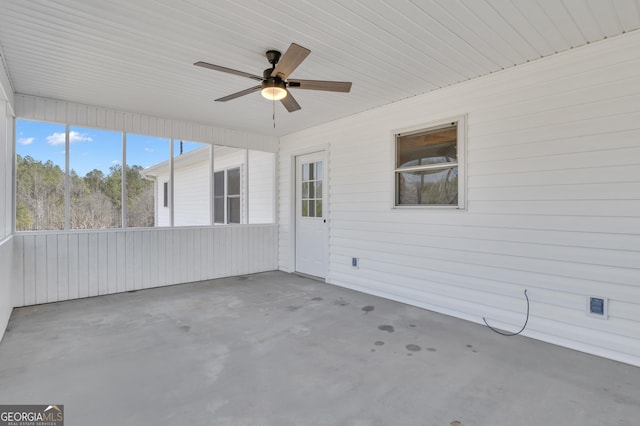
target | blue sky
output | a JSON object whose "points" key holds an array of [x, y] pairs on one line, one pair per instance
{"points": [[89, 148]]}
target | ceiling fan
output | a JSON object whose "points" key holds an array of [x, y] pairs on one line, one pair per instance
{"points": [[275, 82]]}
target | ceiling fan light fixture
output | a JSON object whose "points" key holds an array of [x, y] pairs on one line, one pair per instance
{"points": [[274, 90]]}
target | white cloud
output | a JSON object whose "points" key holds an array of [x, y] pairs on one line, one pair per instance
{"points": [[26, 141], [149, 149], [115, 162], [58, 138]]}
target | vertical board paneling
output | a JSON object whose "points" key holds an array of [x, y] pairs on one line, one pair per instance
{"points": [[103, 263], [112, 263], [192, 241], [183, 258], [83, 265], [29, 268], [169, 257], [18, 287], [40, 263], [94, 265], [130, 263], [62, 254], [7, 297], [121, 262], [74, 258], [145, 251], [138, 258], [70, 265], [162, 258], [153, 259]]}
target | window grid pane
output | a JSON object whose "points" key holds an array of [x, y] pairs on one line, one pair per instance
{"points": [[311, 188]]}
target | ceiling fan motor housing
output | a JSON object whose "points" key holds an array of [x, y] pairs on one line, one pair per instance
{"points": [[273, 56]]}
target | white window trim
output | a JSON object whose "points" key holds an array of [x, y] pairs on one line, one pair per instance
{"points": [[462, 163]]}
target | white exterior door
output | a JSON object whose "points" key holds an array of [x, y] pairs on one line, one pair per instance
{"points": [[311, 234]]}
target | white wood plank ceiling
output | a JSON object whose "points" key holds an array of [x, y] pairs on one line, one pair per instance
{"points": [[137, 55]]}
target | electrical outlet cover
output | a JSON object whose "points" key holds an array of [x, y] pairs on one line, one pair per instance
{"points": [[597, 306]]}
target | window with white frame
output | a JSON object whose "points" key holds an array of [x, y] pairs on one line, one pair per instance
{"points": [[226, 196], [429, 166]]}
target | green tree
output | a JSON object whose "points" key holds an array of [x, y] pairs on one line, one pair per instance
{"points": [[39, 194], [140, 198]]}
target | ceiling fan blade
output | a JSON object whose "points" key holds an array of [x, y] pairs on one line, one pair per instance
{"points": [[227, 70], [290, 103], [293, 57], [238, 94], [332, 86]]}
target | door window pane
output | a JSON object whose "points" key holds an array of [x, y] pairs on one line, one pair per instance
{"points": [[40, 176], [311, 188]]}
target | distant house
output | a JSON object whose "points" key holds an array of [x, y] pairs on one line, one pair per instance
{"points": [[243, 183]]}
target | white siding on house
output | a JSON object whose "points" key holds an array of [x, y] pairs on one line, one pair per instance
{"points": [[191, 192], [56, 266], [192, 181], [553, 175]]}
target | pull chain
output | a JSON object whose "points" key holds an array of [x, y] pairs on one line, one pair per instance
{"points": [[274, 113]]}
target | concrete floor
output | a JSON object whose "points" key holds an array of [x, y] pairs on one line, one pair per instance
{"points": [[278, 349]]}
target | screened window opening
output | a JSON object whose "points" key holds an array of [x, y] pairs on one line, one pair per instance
{"points": [[70, 177], [144, 178], [40, 176], [427, 167]]}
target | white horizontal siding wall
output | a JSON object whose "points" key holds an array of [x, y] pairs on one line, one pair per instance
{"points": [[553, 162], [54, 266], [191, 185]]}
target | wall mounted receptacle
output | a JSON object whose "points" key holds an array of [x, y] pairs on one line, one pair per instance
{"points": [[597, 306], [355, 262]]}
